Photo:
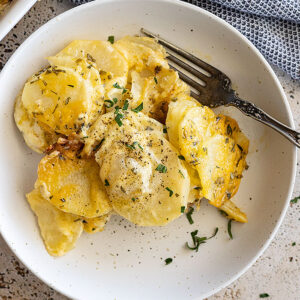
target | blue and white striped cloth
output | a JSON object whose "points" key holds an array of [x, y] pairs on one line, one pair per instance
{"points": [[273, 26]]}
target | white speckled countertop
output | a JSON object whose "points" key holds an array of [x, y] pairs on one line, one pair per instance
{"points": [[277, 271]]}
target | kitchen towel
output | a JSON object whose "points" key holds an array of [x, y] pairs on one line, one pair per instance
{"points": [[273, 26]]}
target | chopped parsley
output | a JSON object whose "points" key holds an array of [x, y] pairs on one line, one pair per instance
{"points": [[98, 145], [108, 103], [182, 209], [229, 229], [106, 183], [71, 85], [115, 100], [111, 39], [295, 200], [181, 157], [165, 130], [117, 86], [180, 172], [189, 215], [197, 241], [133, 199], [170, 191], [155, 80], [294, 244], [126, 104], [168, 260], [223, 213], [138, 108], [118, 119], [161, 168], [264, 295], [132, 146]]}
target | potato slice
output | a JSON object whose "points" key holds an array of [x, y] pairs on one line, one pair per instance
{"points": [[73, 184], [128, 156], [106, 128], [147, 185], [208, 148], [97, 224], [234, 212], [34, 135], [108, 61], [176, 112], [156, 91], [142, 53], [102, 53], [64, 99], [59, 230]]}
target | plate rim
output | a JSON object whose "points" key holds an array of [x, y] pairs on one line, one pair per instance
{"points": [[200, 10]]}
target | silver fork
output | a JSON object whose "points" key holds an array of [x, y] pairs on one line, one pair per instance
{"points": [[217, 90]]}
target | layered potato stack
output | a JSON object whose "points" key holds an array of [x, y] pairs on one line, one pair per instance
{"points": [[121, 135]]}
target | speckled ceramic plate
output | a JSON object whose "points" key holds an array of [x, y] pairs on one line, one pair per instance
{"points": [[13, 14], [124, 261]]}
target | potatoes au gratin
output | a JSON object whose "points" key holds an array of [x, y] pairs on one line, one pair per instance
{"points": [[121, 135]]}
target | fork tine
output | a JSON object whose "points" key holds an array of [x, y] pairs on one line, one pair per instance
{"points": [[187, 67], [197, 61], [197, 86]]}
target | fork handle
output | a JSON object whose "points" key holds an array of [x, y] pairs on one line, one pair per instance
{"points": [[258, 114]]}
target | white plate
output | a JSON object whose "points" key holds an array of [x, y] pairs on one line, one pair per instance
{"points": [[124, 261], [13, 15]]}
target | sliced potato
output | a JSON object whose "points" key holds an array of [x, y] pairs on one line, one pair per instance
{"points": [[97, 224], [175, 115], [59, 230], [73, 184], [147, 185], [106, 128], [128, 156], [64, 100], [208, 147], [34, 135], [156, 91], [234, 212], [102, 53], [142, 53]]}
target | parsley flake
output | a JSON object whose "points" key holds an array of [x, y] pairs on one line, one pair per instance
{"points": [[108, 103], [181, 157], [161, 168], [165, 130], [111, 39], [138, 108], [294, 244], [189, 215], [180, 172], [126, 104], [168, 260], [295, 200], [182, 209], [106, 183], [117, 86], [170, 191], [118, 119], [264, 295], [155, 80], [229, 229]]}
